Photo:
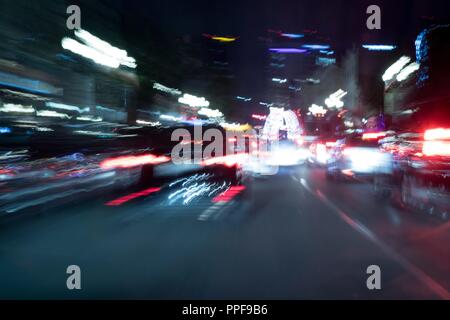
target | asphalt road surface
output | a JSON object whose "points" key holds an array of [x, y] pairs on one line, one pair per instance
{"points": [[291, 236]]}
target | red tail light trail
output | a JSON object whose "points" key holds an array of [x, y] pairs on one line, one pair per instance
{"points": [[133, 161]]}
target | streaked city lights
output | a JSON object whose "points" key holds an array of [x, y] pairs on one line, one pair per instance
{"points": [[229, 195], [373, 135], [259, 117], [90, 118], [316, 47], [407, 71], [437, 134], [210, 113], [379, 47], [436, 148], [235, 126], [266, 104], [52, 114], [132, 196], [89, 53], [393, 70], [245, 99], [287, 50], [193, 101], [133, 161], [4, 130], [163, 88], [224, 39], [278, 80], [148, 123], [62, 106], [170, 118], [106, 49], [97, 50], [292, 35], [317, 110], [335, 99], [16, 108]]}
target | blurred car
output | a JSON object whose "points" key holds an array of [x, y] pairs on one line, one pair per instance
{"points": [[356, 156], [320, 151], [420, 175], [286, 153]]}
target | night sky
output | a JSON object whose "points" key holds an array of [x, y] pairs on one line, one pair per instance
{"points": [[343, 21]]}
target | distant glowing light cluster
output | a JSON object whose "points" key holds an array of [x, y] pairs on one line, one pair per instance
{"points": [[379, 47], [210, 113], [97, 50], [317, 111], [335, 99]]}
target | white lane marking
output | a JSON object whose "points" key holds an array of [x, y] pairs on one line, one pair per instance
{"points": [[423, 277]]}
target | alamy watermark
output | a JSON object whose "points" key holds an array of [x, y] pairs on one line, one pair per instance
{"points": [[213, 143], [74, 20], [374, 20], [74, 280], [374, 280]]}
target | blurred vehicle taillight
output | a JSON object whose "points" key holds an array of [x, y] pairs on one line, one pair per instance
{"points": [[437, 134], [373, 135], [437, 142], [436, 148], [322, 153], [133, 161], [229, 161]]}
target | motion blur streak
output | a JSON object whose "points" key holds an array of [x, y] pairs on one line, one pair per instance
{"points": [[132, 196], [373, 136], [436, 148], [229, 161], [133, 161], [437, 134], [229, 195]]}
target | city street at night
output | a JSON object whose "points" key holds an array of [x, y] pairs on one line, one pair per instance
{"points": [[296, 237], [225, 158]]}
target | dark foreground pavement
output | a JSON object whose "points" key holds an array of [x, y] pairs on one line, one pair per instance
{"points": [[292, 236]]}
